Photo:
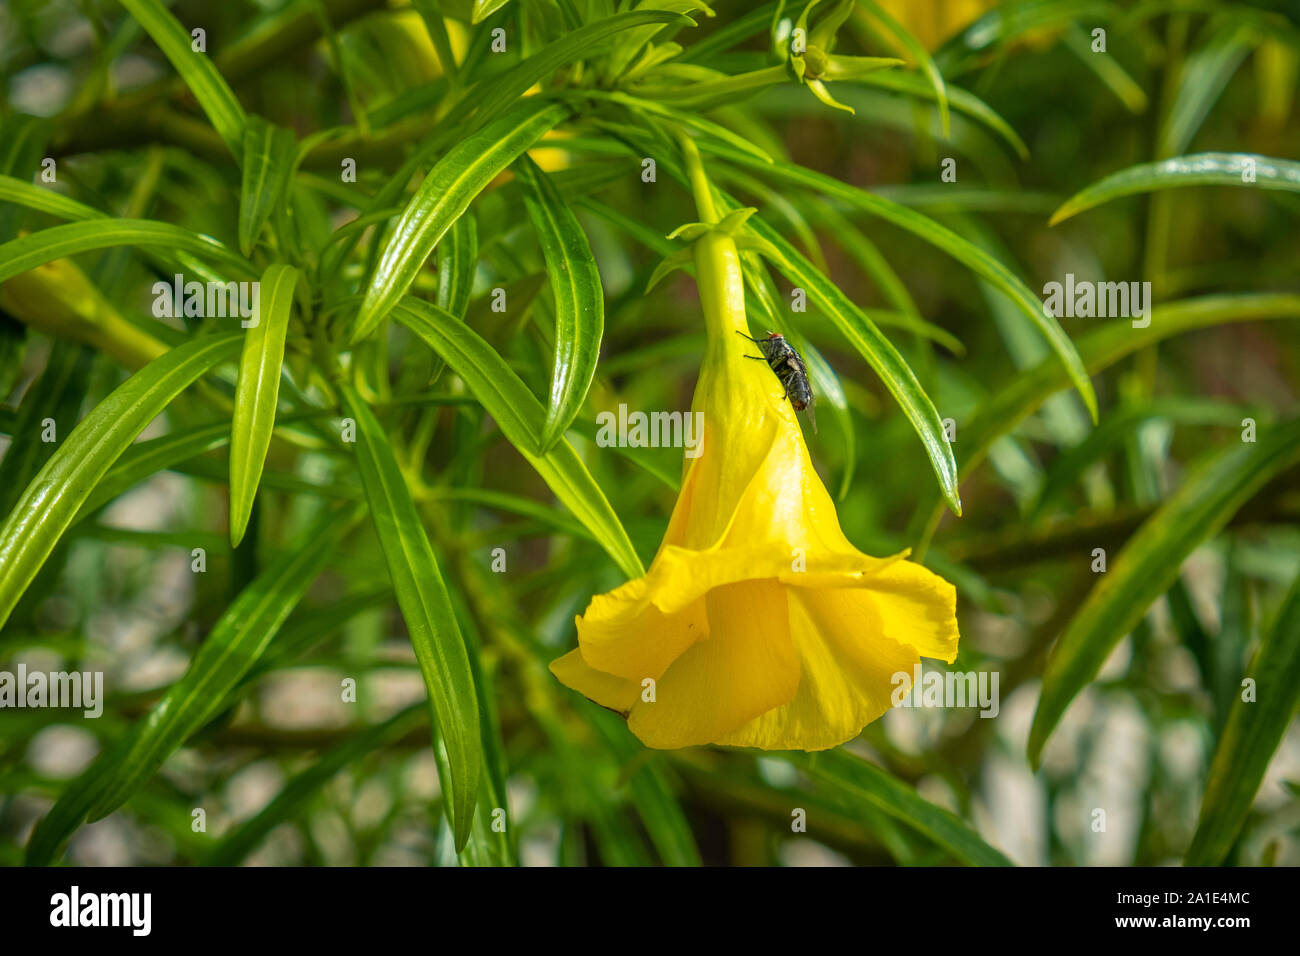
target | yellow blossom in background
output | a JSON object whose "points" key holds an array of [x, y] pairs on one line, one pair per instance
{"points": [[934, 21], [758, 622]]}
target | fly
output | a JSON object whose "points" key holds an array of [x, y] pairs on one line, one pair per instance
{"points": [[790, 369]]}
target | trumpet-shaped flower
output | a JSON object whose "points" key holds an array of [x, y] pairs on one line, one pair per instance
{"points": [[758, 624]]}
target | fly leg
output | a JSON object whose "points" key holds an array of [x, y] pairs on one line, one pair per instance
{"points": [[762, 358]]}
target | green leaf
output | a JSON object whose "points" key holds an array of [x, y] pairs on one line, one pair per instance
{"points": [[520, 416], [294, 795], [1005, 23], [488, 844], [961, 101], [491, 97], [964, 251], [1070, 465], [866, 783], [1150, 563], [269, 153], [487, 99], [45, 200], [726, 35], [457, 261], [1251, 736], [427, 610], [685, 118], [51, 501], [57, 394], [1016, 400], [235, 644], [579, 299], [630, 41], [921, 55], [485, 8], [58, 242], [1200, 169], [1107, 69], [1201, 81], [147, 458], [443, 196], [200, 75], [258, 392], [871, 344], [665, 821]]}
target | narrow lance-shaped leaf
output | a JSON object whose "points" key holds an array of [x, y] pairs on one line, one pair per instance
{"points": [[146, 458], [457, 261], [964, 251], [579, 299], [861, 332], [56, 394], [1200, 169], [295, 794], [487, 99], [45, 200], [1150, 563], [59, 242], [1254, 731], [920, 54], [198, 72], [268, 152], [257, 393], [1017, 399], [491, 840], [1071, 463], [863, 781], [520, 416], [444, 195], [427, 609], [483, 9], [52, 500], [234, 646]]}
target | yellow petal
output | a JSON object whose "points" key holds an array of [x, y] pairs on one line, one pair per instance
{"points": [[605, 689], [852, 645], [917, 608], [745, 667], [624, 633]]}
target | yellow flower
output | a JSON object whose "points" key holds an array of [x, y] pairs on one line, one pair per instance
{"points": [[758, 622], [934, 21]]}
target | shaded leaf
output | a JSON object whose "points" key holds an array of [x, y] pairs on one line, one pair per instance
{"points": [[426, 607], [1150, 563]]}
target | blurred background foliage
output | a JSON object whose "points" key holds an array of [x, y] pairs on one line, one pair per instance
{"points": [[287, 772]]}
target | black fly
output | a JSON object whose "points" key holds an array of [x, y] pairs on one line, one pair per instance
{"points": [[790, 369]]}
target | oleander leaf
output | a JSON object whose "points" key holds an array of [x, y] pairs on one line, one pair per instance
{"points": [[199, 73], [269, 152], [1202, 169], [426, 607], [58, 242], [53, 498], [578, 295], [443, 196], [1150, 563], [257, 392], [1253, 733], [520, 416]]}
